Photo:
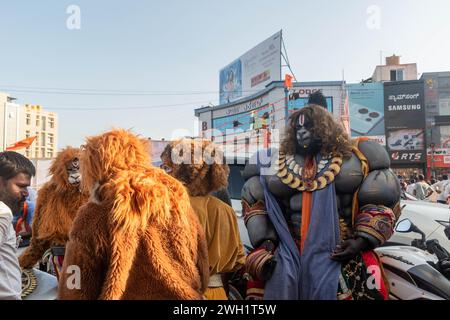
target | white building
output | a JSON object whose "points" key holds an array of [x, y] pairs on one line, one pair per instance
{"points": [[394, 71], [18, 122]]}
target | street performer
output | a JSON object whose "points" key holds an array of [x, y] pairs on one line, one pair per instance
{"points": [[316, 209], [203, 172]]}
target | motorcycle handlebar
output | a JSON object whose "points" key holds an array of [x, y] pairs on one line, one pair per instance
{"points": [[434, 247]]}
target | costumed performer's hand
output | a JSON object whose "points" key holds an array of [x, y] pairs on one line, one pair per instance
{"points": [[349, 249], [261, 262]]}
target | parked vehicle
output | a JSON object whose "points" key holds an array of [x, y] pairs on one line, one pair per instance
{"points": [[431, 218], [37, 284], [417, 272]]}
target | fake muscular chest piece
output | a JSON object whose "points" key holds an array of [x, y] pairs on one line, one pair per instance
{"points": [[291, 173]]}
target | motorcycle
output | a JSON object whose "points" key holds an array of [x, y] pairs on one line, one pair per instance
{"points": [[38, 283], [417, 272]]}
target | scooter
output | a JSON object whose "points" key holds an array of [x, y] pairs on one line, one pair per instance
{"points": [[417, 272]]}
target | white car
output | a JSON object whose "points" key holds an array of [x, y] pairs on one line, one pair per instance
{"points": [[429, 217]]}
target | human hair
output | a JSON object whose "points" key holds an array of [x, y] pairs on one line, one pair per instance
{"points": [[202, 169], [332, 135], [13, 163], [223, 195], [421, 177]]}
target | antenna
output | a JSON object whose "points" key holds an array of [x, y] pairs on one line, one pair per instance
{"points": [[286, 58]]}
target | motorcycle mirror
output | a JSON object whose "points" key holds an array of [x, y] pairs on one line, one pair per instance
{"points": [[404, 225]]}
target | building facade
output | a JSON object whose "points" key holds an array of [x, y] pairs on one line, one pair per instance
{"points": [[257, 121], [42, 124], [18, 122], [393, 70], [9, 120], [437, 102]]}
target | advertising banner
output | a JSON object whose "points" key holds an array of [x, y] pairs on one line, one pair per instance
{"points": [[366, 110], [440, 158], [404, 113], [252, 71]]}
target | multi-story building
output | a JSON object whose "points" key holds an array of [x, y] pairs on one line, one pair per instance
{"points": [[437, 103], [9, 120], [42, 124], [242, 126], [395, 71], [18, 122]]}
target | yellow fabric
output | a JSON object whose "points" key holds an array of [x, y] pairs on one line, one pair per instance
{"points": [[225, 250], [215, 294], [365, 170]]}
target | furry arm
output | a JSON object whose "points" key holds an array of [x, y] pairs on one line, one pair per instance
{"points": [[38, 245], [83, 269]]}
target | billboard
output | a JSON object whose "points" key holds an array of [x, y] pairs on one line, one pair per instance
{"points": [[366, 110], [404, 112], [438, 158], [298, 97], [252, 71]]}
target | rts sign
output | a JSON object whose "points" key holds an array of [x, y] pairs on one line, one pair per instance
{"points": [[405, 156]]}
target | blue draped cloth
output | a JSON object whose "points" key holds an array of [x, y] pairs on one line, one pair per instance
{"points": [[310, 275]]}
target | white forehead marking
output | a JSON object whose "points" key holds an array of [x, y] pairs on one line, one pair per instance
{"points": [[301, 120]]}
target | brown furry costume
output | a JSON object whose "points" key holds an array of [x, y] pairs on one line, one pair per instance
{"points": [[57, 204], [137, 237], [198, 164]]}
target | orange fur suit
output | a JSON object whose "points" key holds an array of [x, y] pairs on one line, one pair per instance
{"points": [[56, 207], [137, 237]]}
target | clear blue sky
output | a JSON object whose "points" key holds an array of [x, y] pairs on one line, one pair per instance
{"points": [[182, 45]]}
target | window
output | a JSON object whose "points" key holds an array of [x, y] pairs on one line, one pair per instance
{"points": [[51, 122], [27, 134], [397, 75], [42, 138], [43, 152], [50, 138], [49, 154], [44, 123], [28, 119], [27, 153], [38, 121]]}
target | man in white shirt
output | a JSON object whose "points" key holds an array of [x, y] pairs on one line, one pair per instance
{"points": [[411, 186], [422, 190], [441, 188], [15, 176]]}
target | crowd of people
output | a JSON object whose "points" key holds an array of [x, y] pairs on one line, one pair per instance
{"points": [[434, 189], [117, 227]]}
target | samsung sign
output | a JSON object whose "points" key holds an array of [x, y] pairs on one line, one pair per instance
{"points": [[405, 107], [405, 121]]}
